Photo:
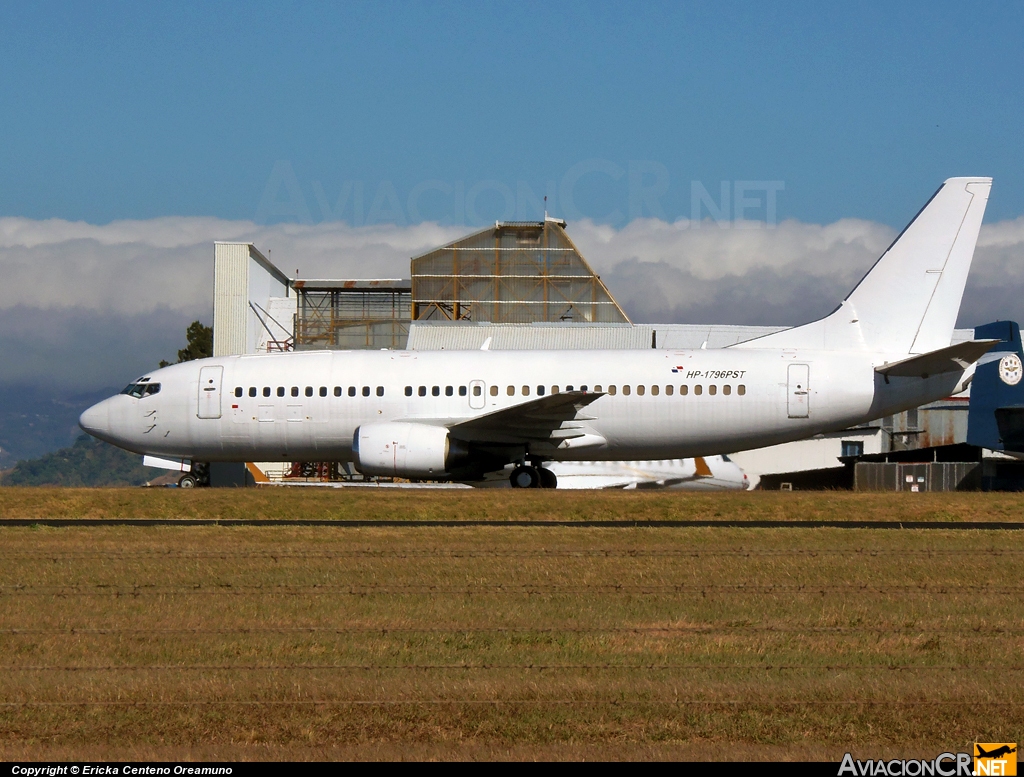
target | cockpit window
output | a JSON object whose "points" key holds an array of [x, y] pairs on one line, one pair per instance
{"points": [[139, 390]]}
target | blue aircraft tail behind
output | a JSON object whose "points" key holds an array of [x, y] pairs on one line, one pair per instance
{"points": [[996, 416]]}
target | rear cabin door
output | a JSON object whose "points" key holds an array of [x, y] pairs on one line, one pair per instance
{"points": [[799, 390], [209, 391]]}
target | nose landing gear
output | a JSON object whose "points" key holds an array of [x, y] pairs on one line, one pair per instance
{"points": [[530, 476]]}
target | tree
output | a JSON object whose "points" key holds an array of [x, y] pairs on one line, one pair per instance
{"points": [[200, 343], [88, 462]]}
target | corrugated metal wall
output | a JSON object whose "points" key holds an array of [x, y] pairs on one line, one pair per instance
{"points": [[424, 336], [230, 298], [522, 337]]}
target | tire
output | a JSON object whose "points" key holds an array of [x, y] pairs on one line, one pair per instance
{"points": [[524, 477], [186, 481], [547, 478]]}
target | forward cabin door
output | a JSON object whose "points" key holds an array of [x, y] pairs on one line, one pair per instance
{"points": [[799, 390], [209, 391]]}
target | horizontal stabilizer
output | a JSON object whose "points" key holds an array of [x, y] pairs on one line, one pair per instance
{"points": [[954, 358]]}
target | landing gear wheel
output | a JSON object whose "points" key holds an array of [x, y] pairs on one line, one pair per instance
{"points": [[186, 481], [547, 478], [524, 477]]}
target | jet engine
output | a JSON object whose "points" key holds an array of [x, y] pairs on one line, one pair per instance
{"points": [[407, 450]]}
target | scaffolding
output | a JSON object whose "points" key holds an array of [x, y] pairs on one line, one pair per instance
{"points": [[512, 273], [351, 314]]}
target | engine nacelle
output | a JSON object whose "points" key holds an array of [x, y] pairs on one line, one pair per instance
{"points": [[406, 450]]}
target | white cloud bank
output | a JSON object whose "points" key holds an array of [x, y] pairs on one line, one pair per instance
{"points": [[87, 306]]}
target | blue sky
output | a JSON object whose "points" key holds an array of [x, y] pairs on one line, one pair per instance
{"points": [[139, 110]]}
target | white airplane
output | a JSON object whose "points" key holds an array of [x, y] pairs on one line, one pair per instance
{"points": [[704, 473], [455, 415]]}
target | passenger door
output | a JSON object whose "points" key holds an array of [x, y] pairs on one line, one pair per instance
{"points": [[799, 390], [209, 391]]}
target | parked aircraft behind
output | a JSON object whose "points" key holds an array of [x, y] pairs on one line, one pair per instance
{"points": [[448, 415], [704, 473], [995, 419]]}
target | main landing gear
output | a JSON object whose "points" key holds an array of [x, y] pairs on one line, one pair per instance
{"points": [[198, 476], [529, 476]]}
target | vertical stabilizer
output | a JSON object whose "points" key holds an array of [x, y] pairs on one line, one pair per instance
{"points": [[996, 416], [909, 300]]}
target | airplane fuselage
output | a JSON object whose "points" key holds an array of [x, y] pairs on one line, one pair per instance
{"points": [[306, 406]]}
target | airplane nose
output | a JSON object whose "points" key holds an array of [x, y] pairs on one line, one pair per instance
{"points": [[96, 420]]}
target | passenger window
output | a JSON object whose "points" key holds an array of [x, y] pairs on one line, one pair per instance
{"points": [[526, 391], [583, 388], [266, 391], [295, 391], [351, 391], [448, 391], [669, 389], [640, 391], [612, 390], [238, 391], [741, 389], [422, 391], [554, 389], [654, 390], [477, 390], [366, 391], [511, 391], [380, 391], [252, 391], [280, 391], [568, 388], [625, 390], [309, 391], [323, 391], [726, 389], [337, 391], [712, 389], [684, 390], [494, 391], [435, 391], [698, 390], [597, 388], [408, 391], [540, 391], [462, 391]]}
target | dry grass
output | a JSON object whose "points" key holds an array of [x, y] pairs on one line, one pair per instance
{"points": [[506, 642], [506, 505]]}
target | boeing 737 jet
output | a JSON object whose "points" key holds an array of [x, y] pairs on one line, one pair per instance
{"points": [[448, 415]]}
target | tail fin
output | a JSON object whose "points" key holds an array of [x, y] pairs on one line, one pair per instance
{"points": [[995, 419], [908, 302]]}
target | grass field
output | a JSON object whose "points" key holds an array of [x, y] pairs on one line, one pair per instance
{"points": [[499, 641]]}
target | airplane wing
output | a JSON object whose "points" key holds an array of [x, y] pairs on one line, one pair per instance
{"points": [[553, 419]]}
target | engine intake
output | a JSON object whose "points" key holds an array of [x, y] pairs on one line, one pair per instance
{"points": [[406, 450]]}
